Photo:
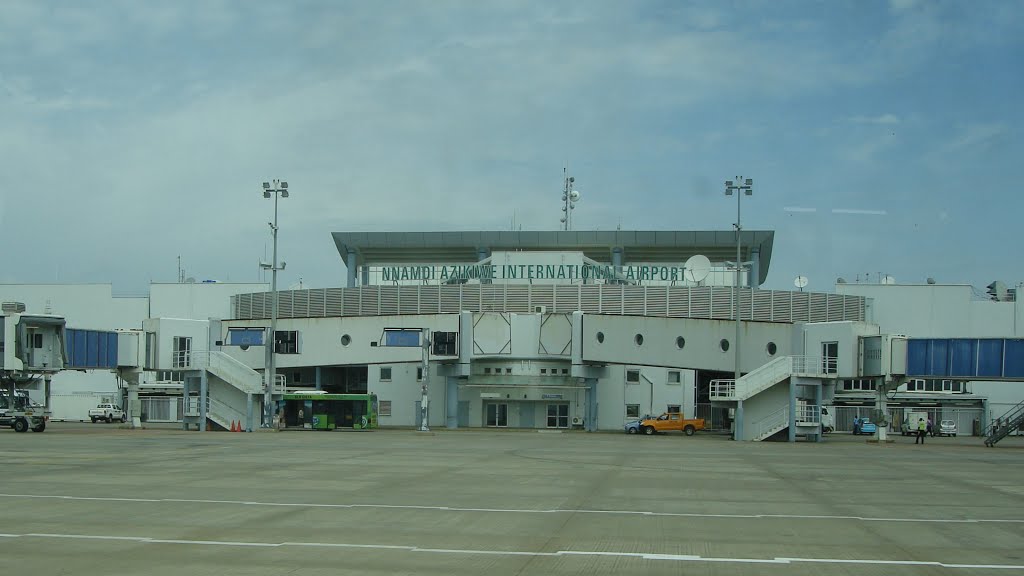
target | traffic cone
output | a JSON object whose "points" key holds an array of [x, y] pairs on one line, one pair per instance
{"points": [[233, 428], [239, 426]]}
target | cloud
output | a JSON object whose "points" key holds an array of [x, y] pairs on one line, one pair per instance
{"points": [[884, 119], [979, 136]]}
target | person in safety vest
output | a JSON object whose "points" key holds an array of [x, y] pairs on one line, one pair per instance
{"points": [[922, 429]]}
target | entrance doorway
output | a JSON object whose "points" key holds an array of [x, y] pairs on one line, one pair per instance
{"points": [[558, 415], [496, 415], [830, 357]]}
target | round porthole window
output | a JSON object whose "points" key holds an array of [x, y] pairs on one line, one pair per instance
{"points": [[680, 342], [772, 348], [346, 340], [600, 337], [724, 345], [639, 339]]}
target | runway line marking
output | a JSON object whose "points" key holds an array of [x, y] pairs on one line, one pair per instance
{"points": [[467, 551], [527, 510]]}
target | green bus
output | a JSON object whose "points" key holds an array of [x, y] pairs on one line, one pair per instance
{"points": [[323, 411]]}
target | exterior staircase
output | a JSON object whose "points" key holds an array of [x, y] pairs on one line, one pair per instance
{"points": [[230, 370], [766, 376], [1005, 424]]}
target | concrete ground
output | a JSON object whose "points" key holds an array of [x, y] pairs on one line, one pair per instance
{"points": [[99, 499]]}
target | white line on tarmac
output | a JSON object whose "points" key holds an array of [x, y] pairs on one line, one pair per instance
{"points": [[605, 554], [530, 511]]}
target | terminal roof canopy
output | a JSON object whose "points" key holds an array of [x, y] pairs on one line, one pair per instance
{"points": [[391, 248]]}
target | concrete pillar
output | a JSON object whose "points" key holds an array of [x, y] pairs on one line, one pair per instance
{"points": [[350, 264], [134, 405], [792, 409], [753, 281], [451, 402], [817, 402], [738, 434], [248, 412], [617, 260], [465, 341], [590, 424], [319, 378], [204, 390], [186, 391]]}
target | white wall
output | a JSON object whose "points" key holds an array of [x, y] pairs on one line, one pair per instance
{"points": [[197, 301], [938, 311], [701, 349], [846, 334]]}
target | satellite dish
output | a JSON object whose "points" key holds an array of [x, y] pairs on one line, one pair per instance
{"points": [[800, 282], [931, 280], [888, 280], [697, 268], [840, 280], [574, 195]]}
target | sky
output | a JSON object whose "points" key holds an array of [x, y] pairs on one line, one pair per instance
{"points": [[882, 137]]}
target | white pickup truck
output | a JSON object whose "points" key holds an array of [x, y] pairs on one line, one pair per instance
{"points": [[108, 412]]}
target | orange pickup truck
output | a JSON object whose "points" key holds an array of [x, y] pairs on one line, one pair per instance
{"points": [[671, 421]]}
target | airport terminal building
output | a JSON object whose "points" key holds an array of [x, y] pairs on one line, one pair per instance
{"points": [[565, 330]]}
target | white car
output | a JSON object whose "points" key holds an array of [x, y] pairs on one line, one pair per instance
{"points": [[107, 412], [946, 428]]}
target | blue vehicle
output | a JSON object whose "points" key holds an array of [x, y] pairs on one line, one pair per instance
{"points": [[867, 426], [633, 427]]}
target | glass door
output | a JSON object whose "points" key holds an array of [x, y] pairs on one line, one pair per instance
{"points": [[830, 357], [558, 415], [497, 415]]}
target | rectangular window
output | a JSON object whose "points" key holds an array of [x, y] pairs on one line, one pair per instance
{"points": [[565, 371], [674, 409], [958, 386], [632, 376], [182, 357], [508, 370], [419, 374], [632, 410], [445, 343], [487, 370], [384, 408], [558, 415], [286, 342], [543, 370], [297, 377], [37, 340], [385, 374], [673, 377]]}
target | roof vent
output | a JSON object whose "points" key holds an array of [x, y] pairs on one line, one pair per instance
{"points": [[13, 307]]}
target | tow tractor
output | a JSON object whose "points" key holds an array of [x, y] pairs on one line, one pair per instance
{"points": [[31, 349], [18, 411]]}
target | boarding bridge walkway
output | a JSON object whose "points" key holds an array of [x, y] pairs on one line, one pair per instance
{"points": [[762, 397], [1004, 425]]}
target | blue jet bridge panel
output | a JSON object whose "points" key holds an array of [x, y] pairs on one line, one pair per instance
{"points": [[966, 358], [90, 349]]}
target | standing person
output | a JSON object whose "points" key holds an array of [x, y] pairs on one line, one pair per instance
{"points": [[931, 429], [856, 425], [922, 429]]}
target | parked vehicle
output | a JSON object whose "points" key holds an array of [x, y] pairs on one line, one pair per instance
{"points": [[867, 426], [828, 421], [910, 419], [107, 412], [947, 428], [19, 412], [671, 421], [632, 427]]}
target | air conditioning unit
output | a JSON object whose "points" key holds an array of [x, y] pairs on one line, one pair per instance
{"points": [[540, 309], [577, 421]]}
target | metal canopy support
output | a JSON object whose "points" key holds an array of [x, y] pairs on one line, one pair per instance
{"points": [[590, 424], [451, 403], [792, 409], [754, 277], [204, 391], [350, 265]]}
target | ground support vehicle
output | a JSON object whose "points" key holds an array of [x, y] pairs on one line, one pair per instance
{"points": [[671, 421], [19, 412], [107, 412]]}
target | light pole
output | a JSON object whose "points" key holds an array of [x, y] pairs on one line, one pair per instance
{"points": [[275, 190], [569, 199], [741, 188]]}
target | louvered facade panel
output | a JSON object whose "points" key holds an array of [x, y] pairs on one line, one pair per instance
{"points": [[567, 298], [590, 298], [722, 302], [451, 299], [762, 306], [700, 302], [408, 299], [634, 301], [678, 302], [517, 298]]}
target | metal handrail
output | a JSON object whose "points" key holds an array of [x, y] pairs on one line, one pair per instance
{"points": [[771, 423], [767, 375], [808, 414]]}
